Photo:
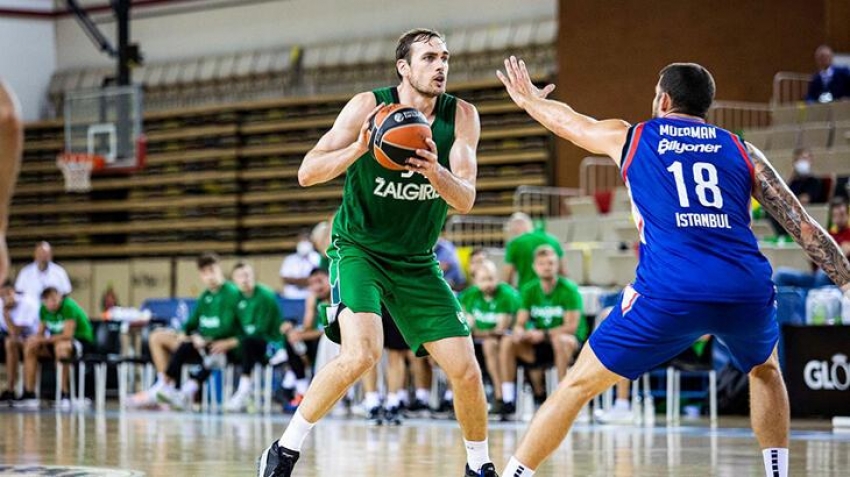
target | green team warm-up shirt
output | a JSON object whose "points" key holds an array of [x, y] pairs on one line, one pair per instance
{"points": [[68, 310], [259, 315], [486, 310], [546, 311], [519, 252], [214, 316]]}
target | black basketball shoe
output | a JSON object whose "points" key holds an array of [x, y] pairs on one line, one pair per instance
{"points": [[277, 461], [392, 416], [489, 470], [376, 416]]}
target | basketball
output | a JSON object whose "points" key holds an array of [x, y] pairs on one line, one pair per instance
{"points": [[397, 132]]}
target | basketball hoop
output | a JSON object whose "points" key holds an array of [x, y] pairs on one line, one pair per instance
{"points": [[77, 169]]}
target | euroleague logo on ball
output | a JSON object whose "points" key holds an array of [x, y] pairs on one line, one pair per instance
{"points": [[397, 131]]}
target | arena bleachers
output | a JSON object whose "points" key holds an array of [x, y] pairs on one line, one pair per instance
{"points": [[224, 178]]}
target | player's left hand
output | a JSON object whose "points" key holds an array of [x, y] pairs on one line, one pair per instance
{"points": [[519, 85], [426, 164]]}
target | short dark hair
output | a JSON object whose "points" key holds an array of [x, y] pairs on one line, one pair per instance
{"points": [[408, 38], [690, 86], [836, 203], [475, 251], [48, 291], [206, 259], [317, 271], [239, 265]]}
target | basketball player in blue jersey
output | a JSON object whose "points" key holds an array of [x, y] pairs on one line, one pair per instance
{"points": [[700, 269], [11, 148]]}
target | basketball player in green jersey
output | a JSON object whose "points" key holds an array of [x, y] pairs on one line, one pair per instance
{"points": [[11, 148], [382, 245]]}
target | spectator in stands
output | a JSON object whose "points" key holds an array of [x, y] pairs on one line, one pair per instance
{"points": [[296, 269], [449, 263], [302, 341], [65, 332], [42, 273], [321, 238], [803, 184], [20, 321], [519, 252], [207, 336], [550, 326], [490, 306], [840, 231], [831, 82], [260, 318]]}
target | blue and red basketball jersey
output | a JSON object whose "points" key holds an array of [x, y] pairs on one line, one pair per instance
{"points": [[690, 185]]}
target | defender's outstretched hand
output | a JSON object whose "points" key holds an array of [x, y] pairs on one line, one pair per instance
{"points": [[519, 85]]}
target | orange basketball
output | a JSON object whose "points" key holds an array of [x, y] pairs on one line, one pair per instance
{"points": [[397, 132]]}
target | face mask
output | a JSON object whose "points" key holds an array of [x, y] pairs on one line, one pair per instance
{"points": [[304, 248], [803, 167]]}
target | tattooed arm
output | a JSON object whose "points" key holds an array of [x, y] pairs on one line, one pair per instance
{"points": [[770, 190]]}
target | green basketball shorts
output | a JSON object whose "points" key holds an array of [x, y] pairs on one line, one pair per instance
{"points": [[413, 290]]}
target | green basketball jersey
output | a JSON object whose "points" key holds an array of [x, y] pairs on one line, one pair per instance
{"points": [[486, 311], [546, 310], [68, 310], [395, 213], [214, 316], [260, 314]]}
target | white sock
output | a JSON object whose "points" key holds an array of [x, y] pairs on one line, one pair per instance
{"points": [[508, 392], [301, 386], [159, 383], [621, 404], [403, 396], [477, 454], [372, 400], [190, 388], [244, 385], [775, 462], [516, 469], [423, 394], [392, 401], [449, 395], [295, 433], [288, 380]]}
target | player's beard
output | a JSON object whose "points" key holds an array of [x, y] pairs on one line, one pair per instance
{"points": [[426, 89]]}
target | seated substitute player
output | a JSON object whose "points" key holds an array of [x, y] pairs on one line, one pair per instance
{"points": [[302, 342], [260, 319], [490, 307], [211, 330], [20, 321], [550, 326], [65, 332], [700, 270]]}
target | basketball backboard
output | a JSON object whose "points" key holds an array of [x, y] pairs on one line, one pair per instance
{"points": [[106, 122]]}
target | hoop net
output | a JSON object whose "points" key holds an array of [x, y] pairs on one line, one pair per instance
{"points": [[77, 169]]}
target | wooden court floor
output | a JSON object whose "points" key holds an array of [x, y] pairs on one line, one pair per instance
{"points": [[182, 444]]}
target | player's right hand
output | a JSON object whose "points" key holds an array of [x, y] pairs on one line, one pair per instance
{"points": [[365, 136]]}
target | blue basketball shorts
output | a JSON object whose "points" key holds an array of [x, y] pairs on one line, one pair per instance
{"points": [[642, 333]]}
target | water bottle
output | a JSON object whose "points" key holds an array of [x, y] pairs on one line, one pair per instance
{"points": [[180, 316]]}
